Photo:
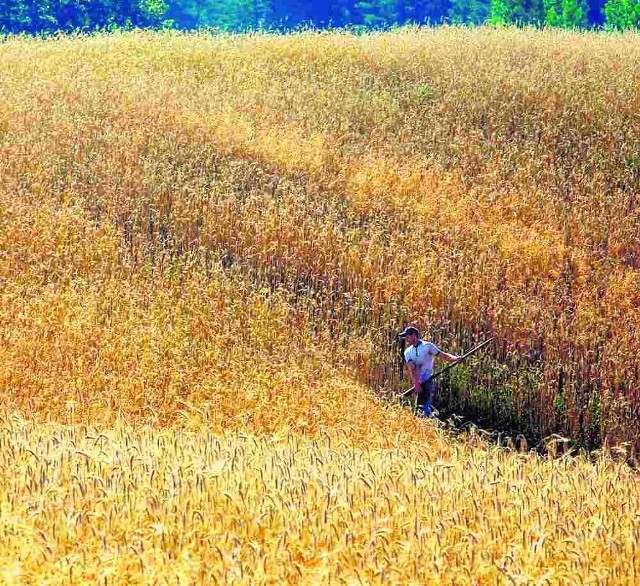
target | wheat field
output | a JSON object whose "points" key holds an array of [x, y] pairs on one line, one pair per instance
{"points": [[207, 244]]}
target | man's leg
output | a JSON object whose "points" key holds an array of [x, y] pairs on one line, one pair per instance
{"points": [[431, 389], [425, 398], [423, 405]]}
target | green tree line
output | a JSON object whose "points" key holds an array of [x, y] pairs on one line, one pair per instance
{"points": [[47, 16]]}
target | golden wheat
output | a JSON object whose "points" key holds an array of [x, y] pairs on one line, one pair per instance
{"points": [[307, 159], [203, 239], [140, 506]]}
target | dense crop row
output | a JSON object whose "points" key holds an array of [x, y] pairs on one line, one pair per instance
{"points": [[203, 240], [84, 504], [378, 179]]}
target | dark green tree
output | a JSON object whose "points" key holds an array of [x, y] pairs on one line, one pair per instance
{"points": [[469, 11], [596, 13], [566, 13], [517, 12], [376, 13], [36, 16], [622, 14]]}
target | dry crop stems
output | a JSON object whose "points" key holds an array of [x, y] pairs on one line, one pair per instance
{"points": [[163, 196], [516, 172], [132, 505], [308, 159]]}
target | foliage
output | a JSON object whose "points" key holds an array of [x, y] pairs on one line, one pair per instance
{"points": [[566, 13], [469, 11], [622, 14], [36, 16], [47, 16], [520, 12]]}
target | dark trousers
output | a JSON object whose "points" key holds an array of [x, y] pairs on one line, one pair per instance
{"points": [[425, 393]]}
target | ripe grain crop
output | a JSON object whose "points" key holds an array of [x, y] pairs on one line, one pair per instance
{"points": [[477, 182], [206, 245], [85, 504]]}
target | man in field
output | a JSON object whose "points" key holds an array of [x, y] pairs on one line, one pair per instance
{"points": [[420, 356]]}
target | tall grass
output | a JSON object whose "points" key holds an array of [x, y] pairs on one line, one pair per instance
{"points": [[206, 247], [475, 182], [85, 504]]}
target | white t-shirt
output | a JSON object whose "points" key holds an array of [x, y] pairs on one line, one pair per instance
{"points": [[422, 355]]}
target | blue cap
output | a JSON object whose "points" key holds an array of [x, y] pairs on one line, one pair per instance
{"points": [[408, 330]]}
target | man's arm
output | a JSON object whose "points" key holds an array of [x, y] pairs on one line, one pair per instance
{"points": [[448, 357], [413, 375]]}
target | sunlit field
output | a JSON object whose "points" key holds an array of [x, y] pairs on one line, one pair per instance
{"points": [[207, 245], [150, 505]]}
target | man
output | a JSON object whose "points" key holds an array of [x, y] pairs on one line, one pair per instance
{"points": [[420, 356]]}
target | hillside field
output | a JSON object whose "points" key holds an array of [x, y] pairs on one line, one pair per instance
{"points": [[207, 245]]}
